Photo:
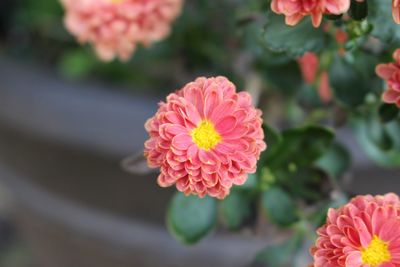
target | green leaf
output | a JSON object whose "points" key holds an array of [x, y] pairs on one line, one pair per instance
{"points": [[349, 85], [310, 142], [279, 207], [288, 83], [384, 28], [77, 64], [294, 40], [336, 161], [190, 218], [235, 210], [388, 112], [381, 142], [358, 10], [280, 255], [273, 140]]}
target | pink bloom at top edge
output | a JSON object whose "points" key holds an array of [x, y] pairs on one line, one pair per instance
{"points": [[116, 27], [363, 233], [205, 138], [296, 10], [391, 74], [396, 10]]}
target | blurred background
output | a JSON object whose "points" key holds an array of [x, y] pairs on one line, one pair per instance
{"points": [[67, 120]]}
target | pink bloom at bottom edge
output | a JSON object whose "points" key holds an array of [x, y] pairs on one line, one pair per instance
{"points": [[363, 233], [205, 138]]}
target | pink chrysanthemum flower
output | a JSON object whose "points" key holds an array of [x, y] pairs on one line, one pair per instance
{"points": [[396, 11], [116, 27], [362, 233], [205, 138], [296, 10], [391, 74]]}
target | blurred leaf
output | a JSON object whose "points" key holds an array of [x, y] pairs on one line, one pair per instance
{"points": [[388, 112], [310, 142], [336, 161], [294, 40], [306, 183], [358, 10], [349, 85], [380, 15], [77, 63], [273, 140], [281, 255], [279, 206], [235, 209], [381, 142], [290, 82], [191, 218]]}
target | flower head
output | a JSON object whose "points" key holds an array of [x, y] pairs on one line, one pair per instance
{"points": [[391, 74], [362, 233], [116, 27], [296, 10], [205, 137]]}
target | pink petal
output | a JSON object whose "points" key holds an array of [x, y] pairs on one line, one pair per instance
{"points": [[365, 235], [354, 260], [226, 124], [385, 71], [390, 96], [182, 141]]}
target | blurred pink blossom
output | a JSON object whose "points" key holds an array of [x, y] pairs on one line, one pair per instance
{"points": [[309, 65], [116, 27]]}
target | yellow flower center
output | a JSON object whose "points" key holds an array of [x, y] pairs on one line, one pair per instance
{"points": [[205, 136], [376, 253]]}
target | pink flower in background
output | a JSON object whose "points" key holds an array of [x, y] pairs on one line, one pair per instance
{"points": [[362, 233], [391, 74], [324, 89], [309, 65], [296, 10], [396, 10], [205, 137], [116, 27]]}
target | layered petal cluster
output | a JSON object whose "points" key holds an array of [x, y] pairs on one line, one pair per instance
{"points": [[391, 74], [116, 27], [363, 233], [205, 138], [309, 65], [396, 10], [296, 10]]}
